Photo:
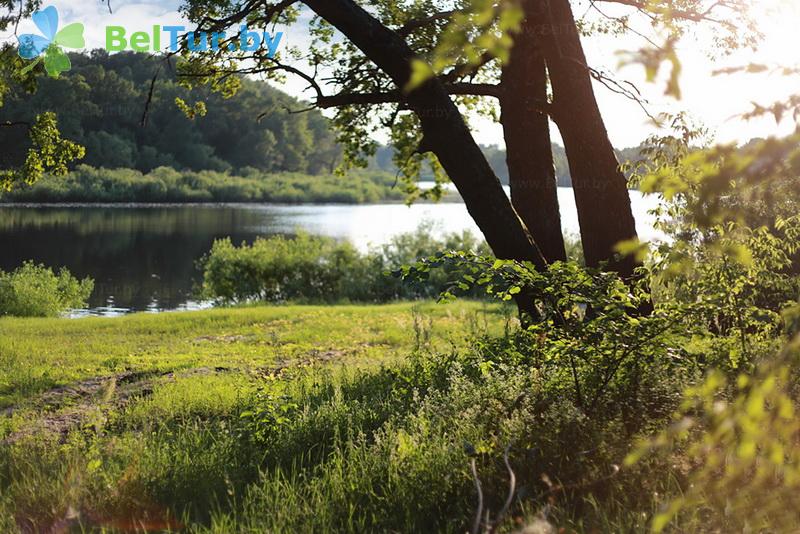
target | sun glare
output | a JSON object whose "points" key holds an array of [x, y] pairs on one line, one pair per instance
{"points": [[778, 21], [721, 100]]}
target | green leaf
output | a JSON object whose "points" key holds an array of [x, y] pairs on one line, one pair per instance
{"points": [[421, 72], [71, 36], [56, 62], [633, 247]]}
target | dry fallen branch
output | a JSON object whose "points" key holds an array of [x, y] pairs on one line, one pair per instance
{"points": [[489, 526]]}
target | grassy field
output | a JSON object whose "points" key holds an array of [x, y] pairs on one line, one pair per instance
{"points": [[230, 420], [37, 355]]}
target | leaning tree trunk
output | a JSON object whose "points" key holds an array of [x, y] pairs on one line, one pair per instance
{"points": [[444, 131], [529, 153], [601, 193]]}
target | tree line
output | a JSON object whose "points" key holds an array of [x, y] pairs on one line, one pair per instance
{"points": [[104, 103], [383, 160], [101, 104], [85, 184]]}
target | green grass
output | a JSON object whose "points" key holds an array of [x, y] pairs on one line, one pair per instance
{"points": [[290, 420], [39, 354], [186, 433]]}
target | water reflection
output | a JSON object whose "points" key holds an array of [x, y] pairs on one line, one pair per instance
{"points": [[143, 258]]}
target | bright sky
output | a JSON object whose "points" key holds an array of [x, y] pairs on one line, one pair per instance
{"points": [[714, 101]]}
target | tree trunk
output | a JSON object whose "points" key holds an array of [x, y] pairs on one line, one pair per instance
{"points": [[529, 153], [601, 193], [444, 130]]}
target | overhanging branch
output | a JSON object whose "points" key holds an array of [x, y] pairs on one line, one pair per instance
{"points": [[391, 97], [415, 24], [683, 14]]}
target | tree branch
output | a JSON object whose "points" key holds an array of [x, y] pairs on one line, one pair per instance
{"points": [[146, 112], [415, 24], [459, 71], [684, 14], [476, 524], [396, 96]]}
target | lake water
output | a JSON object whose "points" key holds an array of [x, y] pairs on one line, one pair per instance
{"points": [[143, 257]]}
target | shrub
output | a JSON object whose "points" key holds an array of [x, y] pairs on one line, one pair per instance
{"points": [[743, 439], [321, 269], [737, 285], [36, 291], [587, 328], [734, 250], [276, 269]]}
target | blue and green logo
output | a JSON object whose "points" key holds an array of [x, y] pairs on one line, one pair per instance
{"points": [[48, 46]]}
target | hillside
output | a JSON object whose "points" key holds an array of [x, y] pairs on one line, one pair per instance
{"points": [[101, 104]]}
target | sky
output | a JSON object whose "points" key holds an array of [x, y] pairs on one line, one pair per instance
{"points": [[714, 101]]}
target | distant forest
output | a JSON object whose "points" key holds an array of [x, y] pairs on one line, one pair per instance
{"points": [[101, 104], [496, 157]]}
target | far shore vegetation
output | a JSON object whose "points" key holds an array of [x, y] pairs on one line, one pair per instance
{"points": [[165, 185]]}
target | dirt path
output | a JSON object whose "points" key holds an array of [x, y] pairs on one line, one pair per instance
{"points": [[65, 407]]}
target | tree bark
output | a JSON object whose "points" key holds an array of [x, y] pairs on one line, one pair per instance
{"points": [[601, 193], [445, 133], [529, 152]]}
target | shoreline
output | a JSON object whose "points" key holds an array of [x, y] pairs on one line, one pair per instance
{"points": [[445, 200]]}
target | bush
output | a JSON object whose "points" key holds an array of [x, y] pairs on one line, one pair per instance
{"points": [[742, 437], [321, 269], [36, 291], [587, 327], [737, 284], [733, 255], [276, 269]]}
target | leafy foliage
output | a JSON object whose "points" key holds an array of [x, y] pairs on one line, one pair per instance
{"points": [[734, 260], [49, 153], [742, 440], [733, 251], [727, 183], [738, 284], [36, 291], [103, 105], [480, 28], [315, 269]]}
